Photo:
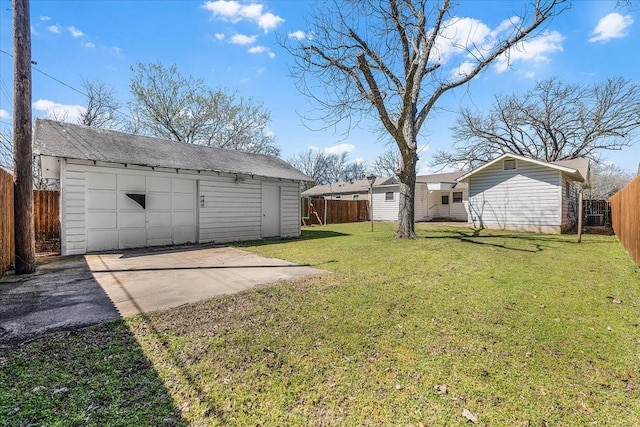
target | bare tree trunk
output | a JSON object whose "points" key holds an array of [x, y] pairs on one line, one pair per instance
{"points": [[23, 187], [406, 211]]}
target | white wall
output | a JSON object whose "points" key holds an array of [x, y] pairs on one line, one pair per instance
{"points": [[72, 211], [385, 210], [527, 198], [231, 212]]}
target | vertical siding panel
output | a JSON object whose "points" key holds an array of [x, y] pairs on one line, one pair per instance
{"points": [[527, 198]]}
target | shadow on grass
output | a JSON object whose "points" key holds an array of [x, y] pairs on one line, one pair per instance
{"points": [[307, 234], [56, 369], [477, 238]]}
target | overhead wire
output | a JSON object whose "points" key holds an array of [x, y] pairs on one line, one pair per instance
{"points": [[33, 66]]}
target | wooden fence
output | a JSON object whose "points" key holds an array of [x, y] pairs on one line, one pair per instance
{"points": [[46, 214], [7, 246], [338, 211], [625, 215]]}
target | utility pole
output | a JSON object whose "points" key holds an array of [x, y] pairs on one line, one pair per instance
{"points": [[22, 133]]}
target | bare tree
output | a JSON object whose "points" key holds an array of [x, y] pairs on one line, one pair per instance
{"points": [[6, 150], [554, 121], [393, 60], [102, 106], [327, 168], [606, 180], [387, 163], [312, 163], [168, 105]]}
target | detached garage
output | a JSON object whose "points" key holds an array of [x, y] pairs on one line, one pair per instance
{"points": [[123, 191]]}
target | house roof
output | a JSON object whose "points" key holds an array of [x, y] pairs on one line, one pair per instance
{"points": [[358, 186], [79, 142], [451, 177], [578, 169]]}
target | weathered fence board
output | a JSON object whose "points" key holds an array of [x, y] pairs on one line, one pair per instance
{"points": [[46, 214], [625, 215], [7, 246], [339, 211]]}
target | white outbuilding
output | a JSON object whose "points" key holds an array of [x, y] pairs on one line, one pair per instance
{"points": [[513, 192], [122, 191]]}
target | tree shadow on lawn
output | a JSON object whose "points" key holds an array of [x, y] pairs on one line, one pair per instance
{"points": [[307, 234], [475, 237]]}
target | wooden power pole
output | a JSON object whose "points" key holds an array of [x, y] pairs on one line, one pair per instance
{"points": [[22, 133]]}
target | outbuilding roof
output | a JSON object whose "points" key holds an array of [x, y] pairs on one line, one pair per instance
{"points": [[70, 141], [357, 186], [578, 169]]}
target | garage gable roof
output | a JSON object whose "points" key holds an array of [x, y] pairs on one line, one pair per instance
{"points": [[70, 141], [577, 169]]}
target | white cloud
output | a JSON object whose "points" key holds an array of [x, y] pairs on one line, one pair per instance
{"points": [[55, 29], [58, 111], [269, 21], [45, 18], [115, 50], [313, 148], [459, 35], [261, 49], [359, 161], [243, 39], [219, 36], [339, 149], [89, 45], [612, 26], [234, 12], [75, 32], [299, 35], [4, 114], [534, 51]]}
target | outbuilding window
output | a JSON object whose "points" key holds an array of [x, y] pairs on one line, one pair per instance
{"points": [[445, 199], [389, 196], [509, 164], [457, 197]]}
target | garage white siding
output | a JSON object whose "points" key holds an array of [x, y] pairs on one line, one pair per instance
{"points": [[526, 198], [72, 212], [290, 193], [229, 211], [97, 213]]}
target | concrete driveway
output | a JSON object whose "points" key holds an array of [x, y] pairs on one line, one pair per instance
{"points": [[77, 291]]}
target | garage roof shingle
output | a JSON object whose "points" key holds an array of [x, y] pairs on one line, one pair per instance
{"points": [[80, 142]]}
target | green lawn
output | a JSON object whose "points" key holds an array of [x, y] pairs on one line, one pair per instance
{"points": [[518, 329]]}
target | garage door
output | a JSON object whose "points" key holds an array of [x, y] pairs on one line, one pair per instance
{"points": [[128, 211]]}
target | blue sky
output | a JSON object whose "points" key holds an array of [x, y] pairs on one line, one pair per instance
{"points": [[233, 45]]}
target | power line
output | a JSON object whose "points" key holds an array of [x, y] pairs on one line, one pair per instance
{"points": [[63, 83], [48, 75]]}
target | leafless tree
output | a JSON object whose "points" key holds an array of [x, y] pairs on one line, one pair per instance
{"points": [[393, 60], [327, 168], [168, 105], [6, 150], [606, 180], [102, 106], [388, 163], [554, 121]]}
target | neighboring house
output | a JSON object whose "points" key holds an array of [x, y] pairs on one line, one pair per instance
{"points": [[437, 197], [517, 193], [123, 191], [353, 190]]}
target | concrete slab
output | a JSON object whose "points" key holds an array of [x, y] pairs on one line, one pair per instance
{"points": [[77, 291], [138, 282]]}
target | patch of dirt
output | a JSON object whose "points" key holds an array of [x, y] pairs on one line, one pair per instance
{"points": [[47, 248]]}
